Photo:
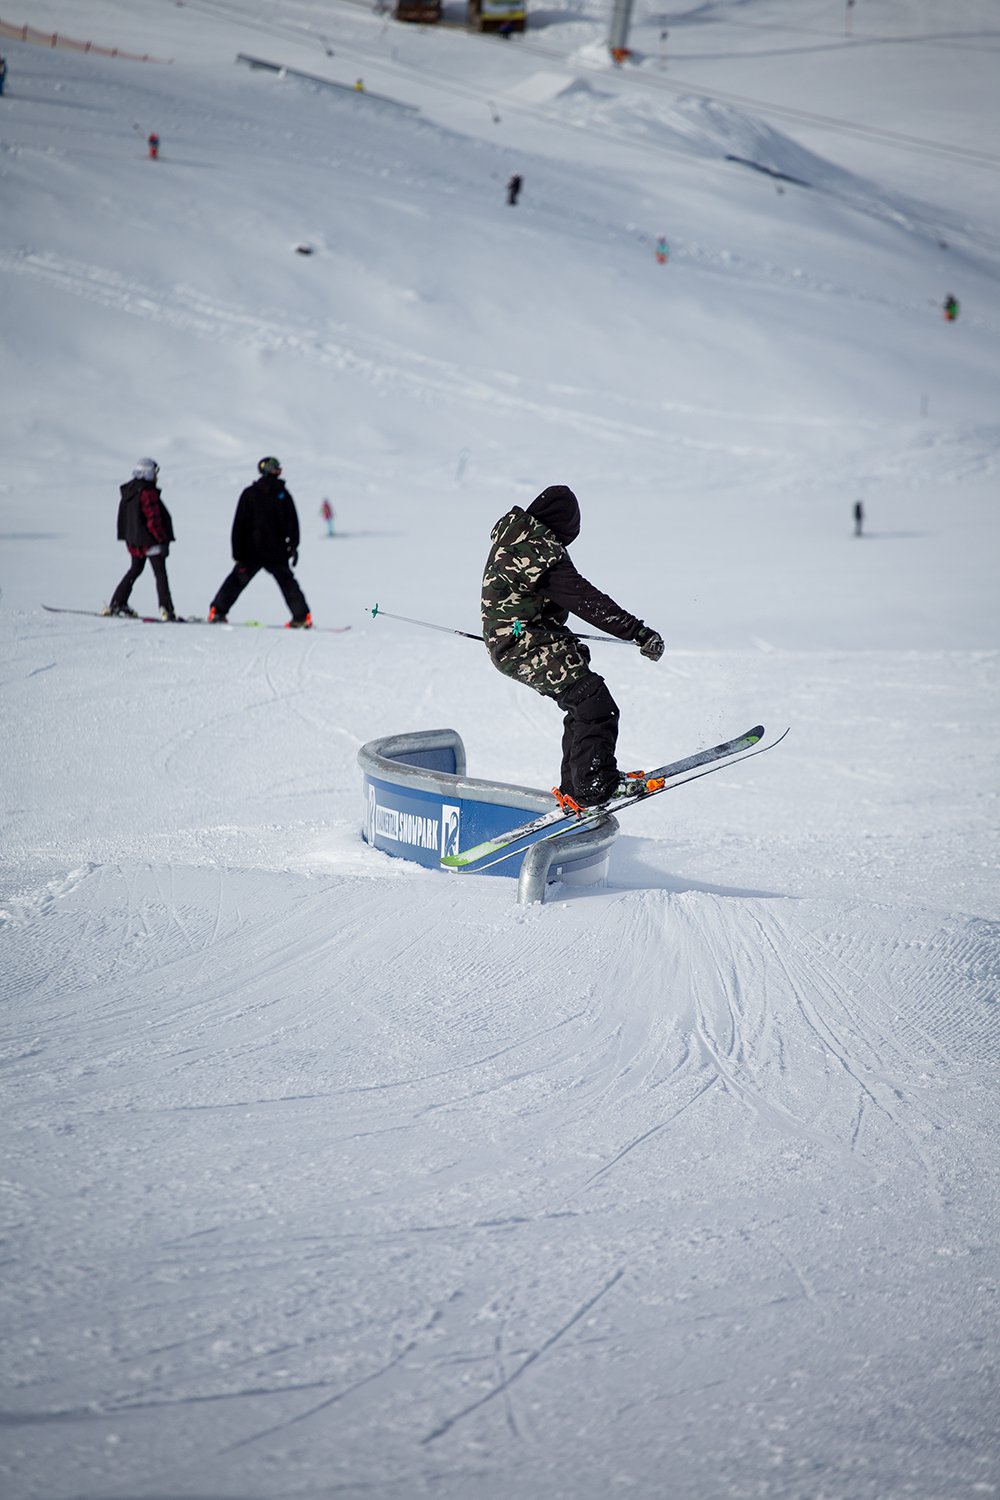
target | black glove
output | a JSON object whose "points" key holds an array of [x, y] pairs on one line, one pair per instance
{"points": [[293, 557], [650, 642]]}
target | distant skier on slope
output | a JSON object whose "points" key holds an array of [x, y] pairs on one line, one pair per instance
{"points": [[530, 587], [265, 535], [144, 525]]}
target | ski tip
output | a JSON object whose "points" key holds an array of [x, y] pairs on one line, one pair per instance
{"points": [[456, 862], [466, 859]]}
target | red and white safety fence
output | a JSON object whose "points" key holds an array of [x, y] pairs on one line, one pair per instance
{"points": [[54, 39]]}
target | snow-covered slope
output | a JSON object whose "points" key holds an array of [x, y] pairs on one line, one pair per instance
{"points": [[324, 1174]]}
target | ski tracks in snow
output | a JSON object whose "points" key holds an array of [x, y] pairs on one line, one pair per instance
{"points": [[841, 1028], [437, 1162], [384, 364], [393, 367], [844, 1027]]}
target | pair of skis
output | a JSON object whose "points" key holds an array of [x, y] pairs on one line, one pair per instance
{"points": [[649, 784], [189, 620]]}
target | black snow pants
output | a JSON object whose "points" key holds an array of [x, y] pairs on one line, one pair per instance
{"points": [[244, 573], [158, 563], [590, 734]]}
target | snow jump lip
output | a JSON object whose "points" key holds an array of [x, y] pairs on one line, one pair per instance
{"points": [[420, 804]]}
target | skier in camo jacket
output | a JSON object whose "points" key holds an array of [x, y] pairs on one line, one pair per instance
{"points": [[530, 587]]}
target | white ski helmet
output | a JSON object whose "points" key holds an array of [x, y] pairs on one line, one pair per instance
{"points": [[146, 468]]}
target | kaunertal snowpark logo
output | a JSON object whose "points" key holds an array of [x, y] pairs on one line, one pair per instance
{"points": [[437, 831]]}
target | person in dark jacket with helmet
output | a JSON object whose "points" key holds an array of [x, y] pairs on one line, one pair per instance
{"points": [[530, 588], [144, 525], [265, 535]]}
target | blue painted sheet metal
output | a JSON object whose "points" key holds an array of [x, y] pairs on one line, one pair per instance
{"points": [[421, 825]]}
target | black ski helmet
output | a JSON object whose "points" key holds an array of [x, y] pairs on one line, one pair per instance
{"points": [[269, 466]]}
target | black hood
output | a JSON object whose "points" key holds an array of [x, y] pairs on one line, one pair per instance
{"points": [[558, 509]]}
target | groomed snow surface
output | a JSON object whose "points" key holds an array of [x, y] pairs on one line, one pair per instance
{"points": [[326, 1175]]}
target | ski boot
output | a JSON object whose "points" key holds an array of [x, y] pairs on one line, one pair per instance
{"points": [[624, 784]]}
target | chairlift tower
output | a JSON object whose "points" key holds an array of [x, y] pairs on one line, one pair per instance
{"points": [[621, 20]]}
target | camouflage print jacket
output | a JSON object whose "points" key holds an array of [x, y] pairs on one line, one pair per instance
{"points": [[530, 587]]}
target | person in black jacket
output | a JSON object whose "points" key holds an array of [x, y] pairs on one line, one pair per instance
{"points": [[265, 535], [144, 525], [530, 588]]}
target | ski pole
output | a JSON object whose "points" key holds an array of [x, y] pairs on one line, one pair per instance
{"points": [[377, 610], [450, 630]]}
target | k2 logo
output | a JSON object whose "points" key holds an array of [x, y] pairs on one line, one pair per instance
{"points": [[451, 818]]}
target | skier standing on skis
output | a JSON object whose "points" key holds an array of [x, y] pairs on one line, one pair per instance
{"points": [[530, 587], [144, 525], [265, 535]]}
